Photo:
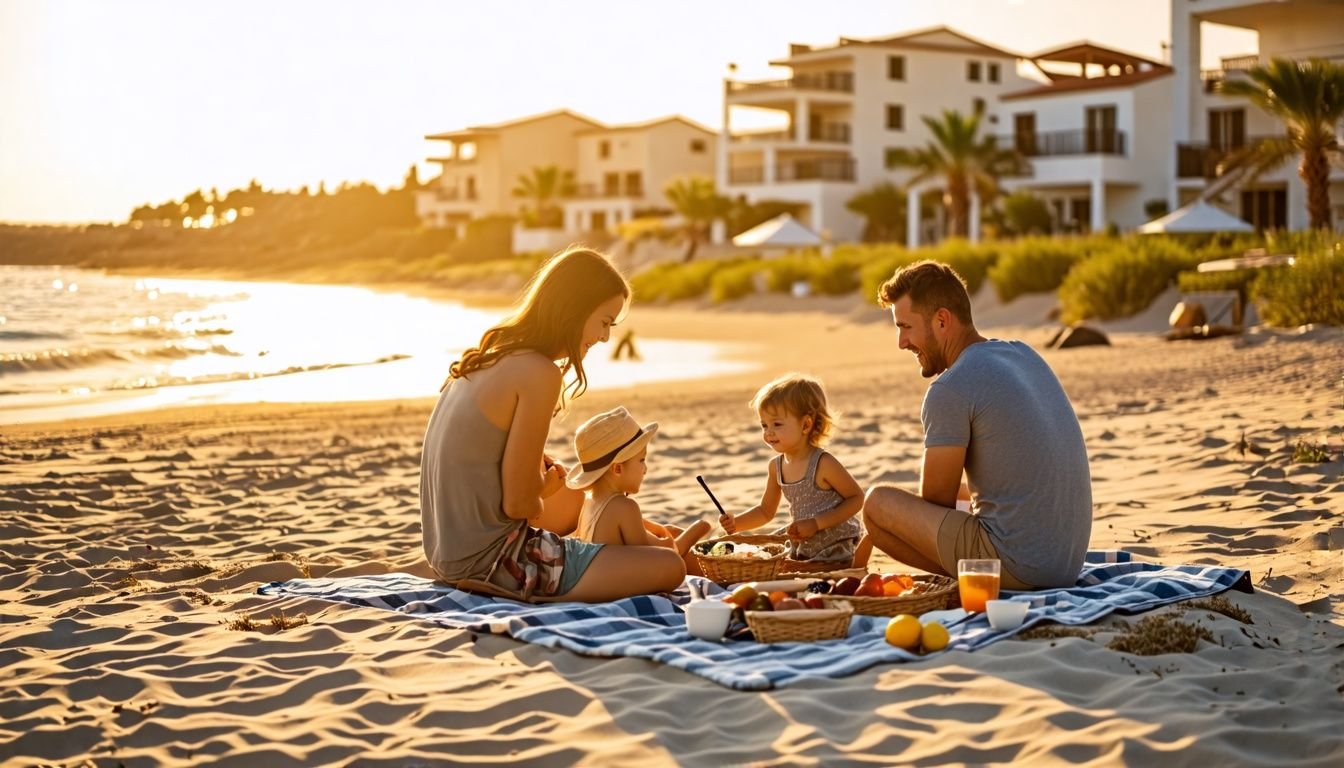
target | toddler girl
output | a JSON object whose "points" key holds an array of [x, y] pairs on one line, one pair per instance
{"points": [[824, 500]]}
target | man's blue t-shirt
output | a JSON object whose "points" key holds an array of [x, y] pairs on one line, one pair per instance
{"points": [[1026, 463]]}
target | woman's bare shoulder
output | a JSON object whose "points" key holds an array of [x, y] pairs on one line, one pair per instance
{"points": [[528, 368]]}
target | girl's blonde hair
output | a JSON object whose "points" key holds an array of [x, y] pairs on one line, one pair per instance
{"points": [[800, 396], [559, 299]]}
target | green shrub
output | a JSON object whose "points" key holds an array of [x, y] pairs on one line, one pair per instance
{"points": [[833, 277], [1230, 280], [1310, 291], [972, 262], [1118, 283], [676, 281], [734, 282], [1033, 265], [782, 272]]}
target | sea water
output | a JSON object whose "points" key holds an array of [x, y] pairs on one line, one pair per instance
{"points": [[77, 342]]}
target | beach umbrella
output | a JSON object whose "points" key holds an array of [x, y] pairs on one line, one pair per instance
{"points": [[1199, 216], [783, 231]]}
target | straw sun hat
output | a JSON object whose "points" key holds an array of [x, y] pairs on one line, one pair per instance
{"points": [[607, 438]]}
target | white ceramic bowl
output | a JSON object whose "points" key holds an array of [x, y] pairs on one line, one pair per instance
{"points": [[1005, 614], [708, 619]]}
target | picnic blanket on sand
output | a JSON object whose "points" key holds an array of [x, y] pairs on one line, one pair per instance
{"points": [[654, 627]]}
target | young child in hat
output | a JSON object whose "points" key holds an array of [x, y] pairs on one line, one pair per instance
{"points": [[612, 450]]}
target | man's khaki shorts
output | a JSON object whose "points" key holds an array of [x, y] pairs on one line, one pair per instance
{"points": [[962, 537]]}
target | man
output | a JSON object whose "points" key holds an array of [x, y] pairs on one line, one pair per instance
{"points": [[998, 413]]}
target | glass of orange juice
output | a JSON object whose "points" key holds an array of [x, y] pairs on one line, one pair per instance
{"points": [[978, 581]]}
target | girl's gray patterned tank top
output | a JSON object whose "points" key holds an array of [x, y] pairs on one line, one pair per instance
{"points": [[806, 500]]}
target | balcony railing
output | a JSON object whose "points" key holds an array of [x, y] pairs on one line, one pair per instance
{"points": [[453, 195], [599, 191], [837, 133], [841, 82], [754, 174], [1061, 143], [816, 169], [833, 133], [1199, 160]]}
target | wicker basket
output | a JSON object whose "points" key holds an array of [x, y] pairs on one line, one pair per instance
{"points": [[726, 569], [940, 592], [802, 626]]}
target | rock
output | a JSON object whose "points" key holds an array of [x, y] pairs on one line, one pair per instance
{"points": [[1336, 538], [1079, 336]]}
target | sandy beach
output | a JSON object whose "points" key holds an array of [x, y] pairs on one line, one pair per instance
{"points": [[134, 546]]}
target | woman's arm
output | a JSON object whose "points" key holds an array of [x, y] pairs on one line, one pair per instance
{"points": [[831, 474], [761, 513], [536, 383]]}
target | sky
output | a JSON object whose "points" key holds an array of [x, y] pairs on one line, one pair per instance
{"points": [[105, 106]]}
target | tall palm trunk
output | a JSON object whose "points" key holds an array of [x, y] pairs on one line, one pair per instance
{"points": [[959, 199], [1315, 173]]}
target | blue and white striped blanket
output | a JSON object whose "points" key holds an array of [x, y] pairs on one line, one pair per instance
{"points": [[654, 627]]}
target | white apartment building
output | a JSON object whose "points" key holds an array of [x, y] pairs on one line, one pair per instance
{"points": [[482, 165], [843, 107], [622, 170], [1207, 125], [1096, 136]]}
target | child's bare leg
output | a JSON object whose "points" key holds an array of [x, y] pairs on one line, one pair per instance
{"points": [[660, 531], [863, 551]]}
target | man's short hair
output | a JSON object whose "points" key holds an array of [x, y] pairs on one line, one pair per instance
{"points": [[931, 285]]}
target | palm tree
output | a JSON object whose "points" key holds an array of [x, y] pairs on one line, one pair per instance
{"points": [[699, 205], [963, 159], [543, 186], [883, 210], [1308, 96]]}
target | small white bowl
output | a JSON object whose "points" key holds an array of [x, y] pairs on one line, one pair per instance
{"points": [[708, 619], [1005, 614]]}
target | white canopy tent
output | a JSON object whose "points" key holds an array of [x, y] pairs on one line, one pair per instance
{"points": [[1199, 216], [783, 231]]}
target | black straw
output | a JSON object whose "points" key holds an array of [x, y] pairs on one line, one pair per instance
{"points": [[701, 478]]}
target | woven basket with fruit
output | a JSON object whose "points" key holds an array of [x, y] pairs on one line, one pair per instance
{"points": [[740, 557], [892, 594], [784, 617]]}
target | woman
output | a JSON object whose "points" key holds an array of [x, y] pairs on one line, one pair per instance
{"points": [[483, 475]]}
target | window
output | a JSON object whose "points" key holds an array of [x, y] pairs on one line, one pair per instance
{"points": [[611, 184], [603, 149], [977, 105], [973, 71], [1227, 129], [634, 184], [471, 187], [895, 67], [1265, 208], [993, 72], [1101, 136], [895, 117], [698, 146], [1024, 133]]}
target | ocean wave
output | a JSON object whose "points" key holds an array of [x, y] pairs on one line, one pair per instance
{"points": [[29, 335], [153, 382], [63, 359]]}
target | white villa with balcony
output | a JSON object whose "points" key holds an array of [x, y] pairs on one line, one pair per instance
{"points": [[622, 170], [1207, 125], [841, 110], [482, 165], [1096, 136]]}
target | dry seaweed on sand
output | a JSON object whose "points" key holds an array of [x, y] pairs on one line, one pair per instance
{"points": [[1156, 635], [1220, 604]]}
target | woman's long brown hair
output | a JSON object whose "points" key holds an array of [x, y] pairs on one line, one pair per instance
{"points": [[559, 299]]}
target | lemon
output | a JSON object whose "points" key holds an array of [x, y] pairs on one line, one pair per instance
{"points": [[933, 637], [903, 632]]}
